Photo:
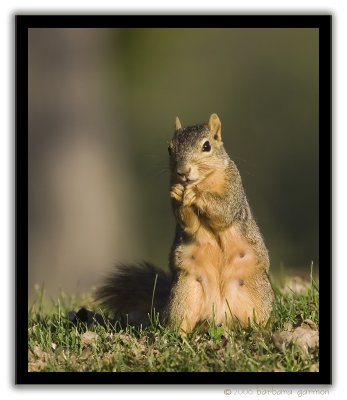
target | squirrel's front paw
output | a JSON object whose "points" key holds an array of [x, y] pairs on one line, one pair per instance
{"points": [[189, 196], [176, 192]]}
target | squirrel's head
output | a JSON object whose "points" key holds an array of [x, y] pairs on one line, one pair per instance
{"points": [[196, 151]]}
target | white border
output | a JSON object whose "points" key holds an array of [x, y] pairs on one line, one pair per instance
{"points": [[7, 10]]}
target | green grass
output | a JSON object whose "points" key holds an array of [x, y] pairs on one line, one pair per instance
{"points": [[55, 344]]}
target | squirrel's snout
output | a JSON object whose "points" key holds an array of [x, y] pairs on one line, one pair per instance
{"points": [[183, 172]]}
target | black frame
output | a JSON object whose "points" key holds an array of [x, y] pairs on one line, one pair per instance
{"points": [[22, 24]]}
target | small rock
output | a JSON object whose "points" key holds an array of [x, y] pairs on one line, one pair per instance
{"points": [[309, 324], [305, 336], [282, 339], [89, 337], [40, 354], [288, 326], [36, 366]]}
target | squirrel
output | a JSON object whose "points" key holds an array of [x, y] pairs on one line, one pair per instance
{"points": [[218, 260]]}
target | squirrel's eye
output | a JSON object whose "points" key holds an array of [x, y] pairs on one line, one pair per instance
{"points": [[206, 146], [169, 150]]}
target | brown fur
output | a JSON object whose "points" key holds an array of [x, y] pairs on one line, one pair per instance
{"points": [[214, 183], [218, 259], [219, 277]]}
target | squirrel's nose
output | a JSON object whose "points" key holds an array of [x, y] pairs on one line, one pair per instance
{"points": [[183, 172]]}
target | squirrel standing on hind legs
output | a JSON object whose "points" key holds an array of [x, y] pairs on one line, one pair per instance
{"points": [[219, 263]]}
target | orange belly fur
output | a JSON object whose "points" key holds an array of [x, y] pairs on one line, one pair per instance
{"points": [[222, 266]]}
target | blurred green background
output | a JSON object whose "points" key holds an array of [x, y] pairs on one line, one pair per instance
{"points": [[263, 84]]}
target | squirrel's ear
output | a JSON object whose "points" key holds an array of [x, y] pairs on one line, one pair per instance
{"points": [[178, 124], [215, 126]]}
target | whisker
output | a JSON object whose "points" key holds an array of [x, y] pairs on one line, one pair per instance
{"points": [[162, 172]]}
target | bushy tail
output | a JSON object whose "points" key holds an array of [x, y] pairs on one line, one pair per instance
{"points": [[135, 291]]}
